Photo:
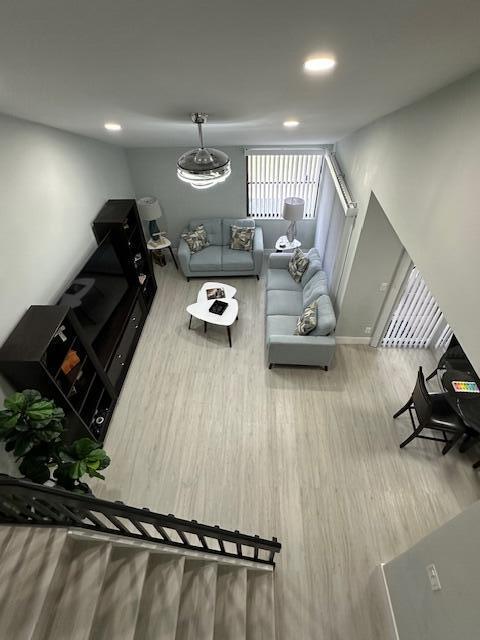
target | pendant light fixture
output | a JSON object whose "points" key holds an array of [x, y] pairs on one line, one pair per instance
{"points": [[203, 168]]}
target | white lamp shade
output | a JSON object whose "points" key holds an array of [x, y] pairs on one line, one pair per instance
{"points": [[293, 208], [149, 208]]}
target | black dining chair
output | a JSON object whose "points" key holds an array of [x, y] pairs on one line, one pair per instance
{"points": [[433, 413]]}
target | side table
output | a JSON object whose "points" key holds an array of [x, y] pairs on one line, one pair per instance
{"points": [[157, 248], [282, 244]]}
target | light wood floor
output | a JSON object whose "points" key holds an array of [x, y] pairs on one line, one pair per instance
{"points": [[209, 433]]}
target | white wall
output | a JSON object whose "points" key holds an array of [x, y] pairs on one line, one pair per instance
{"points": [[52, 185], [378, 253], [153, 172], [453, 612], [423, 164]]}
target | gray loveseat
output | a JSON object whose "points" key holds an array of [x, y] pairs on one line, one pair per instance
{"points": [[218, 259], [285, 301]]}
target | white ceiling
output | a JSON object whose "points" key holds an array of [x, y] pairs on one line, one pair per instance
{"points": [[76, 64]]}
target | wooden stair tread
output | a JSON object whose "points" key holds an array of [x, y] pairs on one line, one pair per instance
{"points": [[119, 600], [27, 568], [72, 599], [196, 616], [260, 606], [231, 604], [158, 614]]}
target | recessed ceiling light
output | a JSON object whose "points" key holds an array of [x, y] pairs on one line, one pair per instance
{"points": [[291, 123], [314, 65], [113, 126]]}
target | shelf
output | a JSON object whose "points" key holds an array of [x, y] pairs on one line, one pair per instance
{"points": [[109, 337]]}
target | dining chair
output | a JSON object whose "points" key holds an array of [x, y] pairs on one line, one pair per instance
{"points": [[434, 413]]}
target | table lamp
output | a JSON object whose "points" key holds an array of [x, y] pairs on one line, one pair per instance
{"points": [[293, 211], [150, 210]]}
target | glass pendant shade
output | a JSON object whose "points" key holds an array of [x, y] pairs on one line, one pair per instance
{"points": [[203, 167]]}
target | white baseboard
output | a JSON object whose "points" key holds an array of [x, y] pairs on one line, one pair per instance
{"points": [[388, 603], [352, 340]]}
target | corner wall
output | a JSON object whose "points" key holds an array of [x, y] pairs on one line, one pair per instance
{"points": [[453, 611], [52, 186], [423, 164]]}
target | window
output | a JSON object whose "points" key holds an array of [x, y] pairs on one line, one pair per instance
{"points": [[275, 175], [417, 319]]}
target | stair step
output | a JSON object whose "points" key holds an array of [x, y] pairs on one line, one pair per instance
{"points": [[196, 616], [158, 615], [231, 604], [5, 535], [70, 604], [260, 606], [28, 565], [119, 601]]}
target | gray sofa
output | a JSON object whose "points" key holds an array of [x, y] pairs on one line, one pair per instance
{"points": [[285, 301], [218, 259]]}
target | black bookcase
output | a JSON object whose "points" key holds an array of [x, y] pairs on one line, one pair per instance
{"points": [[34, 355], [120, 219]]}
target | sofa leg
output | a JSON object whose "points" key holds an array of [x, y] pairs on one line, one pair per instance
{"points": [[258, 277], [325, 368], [188, 279], [270, 365]]}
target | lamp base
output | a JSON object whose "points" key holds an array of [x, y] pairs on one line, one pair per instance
{"points": [[292, 231], [154, 230]]}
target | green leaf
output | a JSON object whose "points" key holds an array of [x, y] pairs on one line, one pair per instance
{"points": [[8, 421], [16, 402], [23, 444], [34, 470], [95, 474], [84, 447], [41, 410], [31, 396]]}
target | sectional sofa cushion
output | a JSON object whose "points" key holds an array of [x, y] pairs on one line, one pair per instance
{"points": [[316, 287], [284, 303], [234, 260], [213, 227], [237, 222], [208, 259], [307, 322], [325, 317], [196, 238], [314, 265], [297, 265], [241, 238], [281, 325], [281, 279]]}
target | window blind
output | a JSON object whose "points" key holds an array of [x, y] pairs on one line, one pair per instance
{"points": [[416, 318], [274, 176]]}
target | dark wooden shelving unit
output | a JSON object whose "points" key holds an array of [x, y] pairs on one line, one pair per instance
{"points": [[34, 355], [120, 218], [32, 358]]}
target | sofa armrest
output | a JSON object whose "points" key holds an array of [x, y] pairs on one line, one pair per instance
{"points": [[184, 256], [279, 260], [307, 350], [258, 249]]}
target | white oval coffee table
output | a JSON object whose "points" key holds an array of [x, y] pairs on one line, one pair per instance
{"points": [[201, 308]]}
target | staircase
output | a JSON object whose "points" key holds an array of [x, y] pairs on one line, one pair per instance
{"points": [[58, 584], [74, 567]]}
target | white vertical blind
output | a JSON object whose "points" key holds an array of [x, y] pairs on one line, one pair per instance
{"points": [[444, 337], [272, 177], [417, 317]]}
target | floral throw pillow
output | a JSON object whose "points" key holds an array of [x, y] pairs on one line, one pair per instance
{"points": [[241, 238], [307, 322], [196, 239], [298, 265]]}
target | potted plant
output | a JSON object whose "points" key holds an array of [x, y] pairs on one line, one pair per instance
{"points": [[32, 429]]}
